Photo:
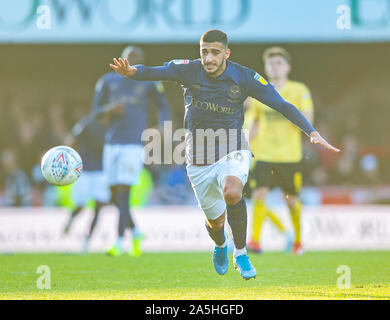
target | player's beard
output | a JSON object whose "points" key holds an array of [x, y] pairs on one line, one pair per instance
{"points": [[219, 67]]}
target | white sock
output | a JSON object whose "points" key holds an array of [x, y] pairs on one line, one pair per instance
{"points": [[223, 245], [239, 252]]}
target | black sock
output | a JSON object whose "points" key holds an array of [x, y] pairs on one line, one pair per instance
{"points": [[98, 206], [217, 235], [125, 219], [76, 211], [237, 218]]}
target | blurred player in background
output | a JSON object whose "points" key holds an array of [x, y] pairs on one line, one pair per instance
{"points": [[277, 147], [125, 102], [215, 89], [87, 137]]}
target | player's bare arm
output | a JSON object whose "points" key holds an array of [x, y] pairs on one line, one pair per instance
{"points": [[316, 138], [123, 67]]}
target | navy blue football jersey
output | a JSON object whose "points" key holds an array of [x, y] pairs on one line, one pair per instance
{"points": [[217, 104]]}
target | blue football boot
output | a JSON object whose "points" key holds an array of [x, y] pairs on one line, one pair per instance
{"points": [[245, 267], [221, 260]]}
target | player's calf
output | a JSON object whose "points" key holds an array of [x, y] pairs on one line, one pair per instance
{"points": [[237, 218], [215, 228]]}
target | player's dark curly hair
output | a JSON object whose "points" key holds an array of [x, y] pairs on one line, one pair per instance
{"points": [[215, 35]]}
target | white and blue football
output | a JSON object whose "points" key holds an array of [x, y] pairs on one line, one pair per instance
{"points": [[61, 166]]}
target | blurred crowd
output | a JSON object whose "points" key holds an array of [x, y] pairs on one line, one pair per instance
{"points": [[26, 133]]}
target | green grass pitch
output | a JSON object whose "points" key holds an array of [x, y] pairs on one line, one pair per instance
{"points": [[191, 276]]}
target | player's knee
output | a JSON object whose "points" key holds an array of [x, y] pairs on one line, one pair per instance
{"points": [[232, 195], [232, 190]]}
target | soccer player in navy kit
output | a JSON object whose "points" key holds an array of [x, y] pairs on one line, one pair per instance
{"points": [[214, 90], [87, 137], [126, 103]]}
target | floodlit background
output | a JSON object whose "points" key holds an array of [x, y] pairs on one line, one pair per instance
{"points": [[53, 52]]}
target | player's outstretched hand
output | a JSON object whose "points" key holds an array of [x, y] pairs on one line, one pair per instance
{"points": [[123, 67], [316, 138]]}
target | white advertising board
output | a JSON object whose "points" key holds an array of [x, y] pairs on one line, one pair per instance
{"points": [[174, 228]]}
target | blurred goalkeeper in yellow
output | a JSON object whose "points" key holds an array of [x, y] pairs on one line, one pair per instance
{"points": [[277, 147]]}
